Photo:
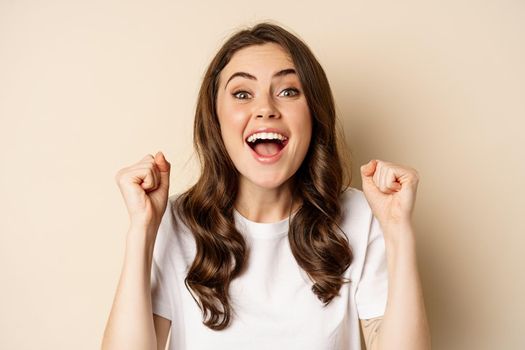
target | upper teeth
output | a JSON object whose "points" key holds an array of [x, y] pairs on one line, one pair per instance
{"points": [[266, 135]]}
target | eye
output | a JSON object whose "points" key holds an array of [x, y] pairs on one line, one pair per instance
{"points": [[241, 94], [294, 92]]}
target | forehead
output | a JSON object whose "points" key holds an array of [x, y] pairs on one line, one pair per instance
{"points": [[259, 58]]}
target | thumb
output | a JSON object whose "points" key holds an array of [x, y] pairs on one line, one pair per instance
{"points": [[369, 168], [164, 168]]}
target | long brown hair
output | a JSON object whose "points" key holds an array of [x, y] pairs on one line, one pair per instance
{"points": [[207, 207]]}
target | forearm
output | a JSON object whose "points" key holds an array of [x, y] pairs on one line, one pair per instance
{"points": [[404, 324], [130, 324]]}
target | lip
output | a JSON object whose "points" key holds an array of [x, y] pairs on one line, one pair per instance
{"points": [[267, 160]]}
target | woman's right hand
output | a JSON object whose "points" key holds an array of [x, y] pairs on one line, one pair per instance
{"points": [[144, 186]]}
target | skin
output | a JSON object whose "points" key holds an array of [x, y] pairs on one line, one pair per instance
{"points": [[265, 190], [264, 196], [370, 329], [389, 188], [269, 101]]}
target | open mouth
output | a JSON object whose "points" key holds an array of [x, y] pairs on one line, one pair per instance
{"points": [[267, 147]]}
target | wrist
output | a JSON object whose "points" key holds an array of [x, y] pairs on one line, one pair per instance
{"points": [[141, 234], [143, 225], [398, 232]]}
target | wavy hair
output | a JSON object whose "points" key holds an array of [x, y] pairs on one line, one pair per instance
{"points": [[207, 207]]}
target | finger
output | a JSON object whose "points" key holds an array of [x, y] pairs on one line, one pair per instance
{"points": [[392, 183], [164, 169], [147, 157], [161, 162], [368, 169], [149, 181], [377, 176], [156, 174], [386, 179], [382, 177], [148, 162], [138, 176], [148, 170], [144, 177], [402, 174]]}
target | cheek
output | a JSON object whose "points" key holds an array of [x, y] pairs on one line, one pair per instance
{"points": [[232, 122], [305, 130], [303, 122]]}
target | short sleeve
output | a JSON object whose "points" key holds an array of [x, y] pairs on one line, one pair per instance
{"points": [[160, 298], [372, 289]]}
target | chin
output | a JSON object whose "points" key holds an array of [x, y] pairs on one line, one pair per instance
{"points": [[268, 182]]}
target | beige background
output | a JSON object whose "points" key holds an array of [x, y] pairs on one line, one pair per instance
{"points": [[89, 87]]}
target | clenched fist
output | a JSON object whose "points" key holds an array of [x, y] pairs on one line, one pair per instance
{"points": [[144, 186], [390, 190]]}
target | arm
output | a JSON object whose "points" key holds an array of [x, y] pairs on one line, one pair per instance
{"points": [[404, 324], [162, 330], [130, 324], [391, 189], [370, 328]]}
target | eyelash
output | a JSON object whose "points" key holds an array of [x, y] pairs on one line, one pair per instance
{"points": [[246, 92]]}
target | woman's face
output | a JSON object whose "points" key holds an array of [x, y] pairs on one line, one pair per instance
{"points": [[259, 89]]}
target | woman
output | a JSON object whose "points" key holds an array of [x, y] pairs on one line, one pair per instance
{"points": [[271, 248]]}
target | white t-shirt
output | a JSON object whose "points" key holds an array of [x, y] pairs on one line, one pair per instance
{"points": [[273, 305]]}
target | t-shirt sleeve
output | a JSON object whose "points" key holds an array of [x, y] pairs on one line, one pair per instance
{"points": [[160, 299], [372, 290]]}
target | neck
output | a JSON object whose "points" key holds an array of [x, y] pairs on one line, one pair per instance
{"points": [[265, 205]]}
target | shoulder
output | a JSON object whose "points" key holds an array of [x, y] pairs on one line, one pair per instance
{"points": [[171, 219], [354, 204], [174, 245], [356, 218], [172, 230]]}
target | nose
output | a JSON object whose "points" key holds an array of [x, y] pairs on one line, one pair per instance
{"points": [[266, 108]]}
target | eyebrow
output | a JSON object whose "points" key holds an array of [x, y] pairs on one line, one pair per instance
{"points": [[280, 73]]}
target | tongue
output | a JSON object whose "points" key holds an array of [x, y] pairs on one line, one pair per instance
{"points": [[266, 149]]}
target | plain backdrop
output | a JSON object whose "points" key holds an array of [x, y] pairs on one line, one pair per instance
{"points": [[88, 87]]}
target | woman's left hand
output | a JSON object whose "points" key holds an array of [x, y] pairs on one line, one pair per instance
{"points": [[390, 190]]}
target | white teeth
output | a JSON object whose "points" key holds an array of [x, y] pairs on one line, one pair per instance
{"points": [[266, 135]]}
